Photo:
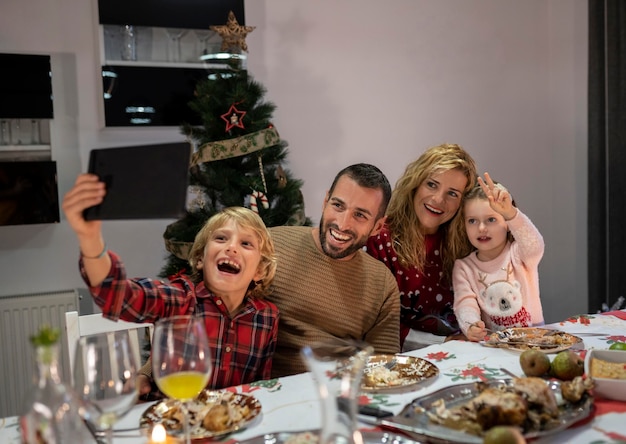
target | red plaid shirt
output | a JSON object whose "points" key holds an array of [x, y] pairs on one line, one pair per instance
{"points": [[242, 346]]}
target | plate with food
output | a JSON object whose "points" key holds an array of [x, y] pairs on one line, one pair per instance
{"points": [[464, 413], [397, 373], [211, 414], [312, 437], [525, 338]]}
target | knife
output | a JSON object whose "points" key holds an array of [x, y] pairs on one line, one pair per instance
{"points": [[372, 415]]}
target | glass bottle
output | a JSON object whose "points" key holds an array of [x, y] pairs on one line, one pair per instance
{"points": [[52, 414], [129, 43]]}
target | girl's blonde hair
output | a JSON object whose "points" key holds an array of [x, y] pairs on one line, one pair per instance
{"points": [[478, 193], [406, 230], [247, 219]]}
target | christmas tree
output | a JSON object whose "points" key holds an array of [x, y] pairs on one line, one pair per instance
{"points": [[238, 160]]}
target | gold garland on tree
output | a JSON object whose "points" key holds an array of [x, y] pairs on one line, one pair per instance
{"points": [[212, 151], [239, 146]]}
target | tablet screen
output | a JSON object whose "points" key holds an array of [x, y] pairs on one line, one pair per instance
{"points": [[142, 182]]}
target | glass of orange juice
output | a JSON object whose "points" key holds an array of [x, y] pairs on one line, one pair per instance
{"points": [[181, 360]]}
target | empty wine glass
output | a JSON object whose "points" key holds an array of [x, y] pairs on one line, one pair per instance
{"points": [[203, 36], [173, 51], [34, 132], [181, 361], [16, 131], [104, 377], [5, 132], [337, 367]]}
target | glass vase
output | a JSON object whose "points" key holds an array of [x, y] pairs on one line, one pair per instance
{"points": [[52, 414]]}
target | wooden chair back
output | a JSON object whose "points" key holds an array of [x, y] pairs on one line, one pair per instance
{"points": [[78, 326]]}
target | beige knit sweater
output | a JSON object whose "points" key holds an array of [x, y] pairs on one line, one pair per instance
{"points": [[319, 297]]}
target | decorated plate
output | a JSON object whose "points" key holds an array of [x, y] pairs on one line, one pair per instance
{"points": [[211, 414], [415, 418], [312, 437], [397, 373], [525, 338]]}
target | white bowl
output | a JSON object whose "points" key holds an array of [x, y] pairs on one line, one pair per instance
{"points": [[604, 387]]}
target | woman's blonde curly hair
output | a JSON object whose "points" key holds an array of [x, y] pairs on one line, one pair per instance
{"points": [[407, 231], [247, 219]]}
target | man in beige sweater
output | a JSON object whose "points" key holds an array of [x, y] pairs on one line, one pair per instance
{"points": [[325, 284]]}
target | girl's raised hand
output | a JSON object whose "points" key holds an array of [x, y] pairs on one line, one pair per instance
{"points": [[499, 197]]}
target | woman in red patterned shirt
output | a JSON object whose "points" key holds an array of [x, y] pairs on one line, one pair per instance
{"points": [[234, 264], [423, 236]]}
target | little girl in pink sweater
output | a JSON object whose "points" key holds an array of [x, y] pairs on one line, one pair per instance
{"points": [[497, 285]]}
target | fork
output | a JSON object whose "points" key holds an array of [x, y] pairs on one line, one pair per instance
{"points": [[391, 364], [529, 344]]}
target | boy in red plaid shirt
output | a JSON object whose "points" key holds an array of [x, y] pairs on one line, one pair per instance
{"points": [[234, 264]]}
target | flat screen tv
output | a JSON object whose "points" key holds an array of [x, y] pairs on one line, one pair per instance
{"points": [[191, 14], [28, 193], [25, 86], [149, 96]]}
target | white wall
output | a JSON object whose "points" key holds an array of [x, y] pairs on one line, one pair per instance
{"points": [[353, 80]]}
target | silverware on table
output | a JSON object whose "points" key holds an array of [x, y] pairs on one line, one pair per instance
{"points": [[391, 364], [525, 343], [508, 372]]}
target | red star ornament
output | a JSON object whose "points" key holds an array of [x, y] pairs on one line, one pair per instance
{"points": [[233, 117]]}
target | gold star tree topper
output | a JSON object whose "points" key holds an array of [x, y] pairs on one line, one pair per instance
{"points": [[233, 34]]}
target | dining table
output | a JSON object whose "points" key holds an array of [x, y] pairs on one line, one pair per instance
{"points": [[291, 406]]}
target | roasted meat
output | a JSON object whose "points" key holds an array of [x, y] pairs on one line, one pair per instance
{"points": [[574, 390], [497, 407], [528, 403], [537, 393]]}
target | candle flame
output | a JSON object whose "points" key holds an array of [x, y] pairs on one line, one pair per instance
{"points": [[158, 434]]}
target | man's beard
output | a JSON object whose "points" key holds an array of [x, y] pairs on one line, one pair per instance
{"points": [[357, 243]]}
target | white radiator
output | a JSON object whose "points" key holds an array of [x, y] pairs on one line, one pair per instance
{"points": [[21, 317]]}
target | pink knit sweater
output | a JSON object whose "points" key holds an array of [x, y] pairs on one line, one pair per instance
{"points": [[503, 292]]}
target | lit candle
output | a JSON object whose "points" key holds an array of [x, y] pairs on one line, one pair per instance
{"points": [[159, 436]]}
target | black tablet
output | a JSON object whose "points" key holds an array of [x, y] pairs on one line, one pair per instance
{"points": [[142, 182]]}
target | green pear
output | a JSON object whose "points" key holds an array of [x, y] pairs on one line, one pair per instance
{"points": [[566, 365], [504, 435], [534, 363]]}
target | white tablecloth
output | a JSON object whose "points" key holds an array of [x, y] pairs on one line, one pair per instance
{"points": [[290, 404]]}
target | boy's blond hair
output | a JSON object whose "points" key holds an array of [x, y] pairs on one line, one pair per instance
{"points": [[244, 218]]}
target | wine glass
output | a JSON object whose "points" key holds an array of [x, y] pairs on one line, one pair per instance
{"points": [[174, 50], [181, 361], [105, 369], [203, 36], [337, 367]]}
